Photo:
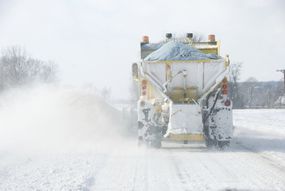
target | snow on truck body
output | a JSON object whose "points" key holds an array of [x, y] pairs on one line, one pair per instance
{"points": [[183, 92]]}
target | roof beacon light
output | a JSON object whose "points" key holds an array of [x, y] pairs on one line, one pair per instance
{"points": [[145, 39], [168, 35], [189, 35], [211, 38]]}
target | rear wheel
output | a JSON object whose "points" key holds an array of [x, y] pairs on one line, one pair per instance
{"points": [[140, 141], [155, 144], [210, 143], [154, 134], [223, 144]]}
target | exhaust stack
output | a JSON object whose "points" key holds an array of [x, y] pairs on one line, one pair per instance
{"points": [[211, 38], [145, 39]]}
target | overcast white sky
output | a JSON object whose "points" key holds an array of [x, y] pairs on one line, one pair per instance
{"points": [[95, 41]]}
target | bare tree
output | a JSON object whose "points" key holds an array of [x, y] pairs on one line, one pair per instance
{"points": [[235, 71], [252, 86], [16, 68]]}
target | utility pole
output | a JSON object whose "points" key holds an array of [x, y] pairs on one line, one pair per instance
{"points": [[283, 71]]}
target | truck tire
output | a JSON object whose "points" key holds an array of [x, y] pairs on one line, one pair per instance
{"points": [[155, 144], [210, 143], [223, 144], [140, 141]]}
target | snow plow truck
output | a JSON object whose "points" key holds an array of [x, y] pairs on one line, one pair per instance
{"points": [[183, 92]]}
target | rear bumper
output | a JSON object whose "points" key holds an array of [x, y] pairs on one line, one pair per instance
{"points": [[186, 137]]}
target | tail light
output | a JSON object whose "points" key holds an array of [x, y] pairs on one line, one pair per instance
{"points": [[224, 87], [144, 87]]}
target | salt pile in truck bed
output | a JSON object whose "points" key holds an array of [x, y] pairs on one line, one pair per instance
{"points": [[178, 51]]}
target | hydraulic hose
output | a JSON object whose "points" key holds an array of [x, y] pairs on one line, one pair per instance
{"points": [[213, 106]]}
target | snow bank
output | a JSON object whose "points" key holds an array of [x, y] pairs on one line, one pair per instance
{"points": [[262, 130], [178, 51], [53, 117], [269, 122]]}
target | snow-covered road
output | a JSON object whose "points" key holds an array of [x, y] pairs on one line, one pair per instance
{"points": [[255, 161]]}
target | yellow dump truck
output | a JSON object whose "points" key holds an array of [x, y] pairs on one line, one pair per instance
{"points": [[183, 88]]}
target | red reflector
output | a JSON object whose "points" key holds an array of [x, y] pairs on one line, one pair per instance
{"points": [[224, 86], [144, 87], [227, 102]]}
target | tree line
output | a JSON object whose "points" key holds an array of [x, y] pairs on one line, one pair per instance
{"points": [[252, 93], [17, 68]]}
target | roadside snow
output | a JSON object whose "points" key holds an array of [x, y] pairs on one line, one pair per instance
{"points": [[53, 118], [263, 131], [270, 122]]}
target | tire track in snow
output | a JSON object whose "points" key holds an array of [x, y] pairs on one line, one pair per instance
{"points": [[222, 170], [265, 157], [189, 178], [178, 171], [90, 180]]}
